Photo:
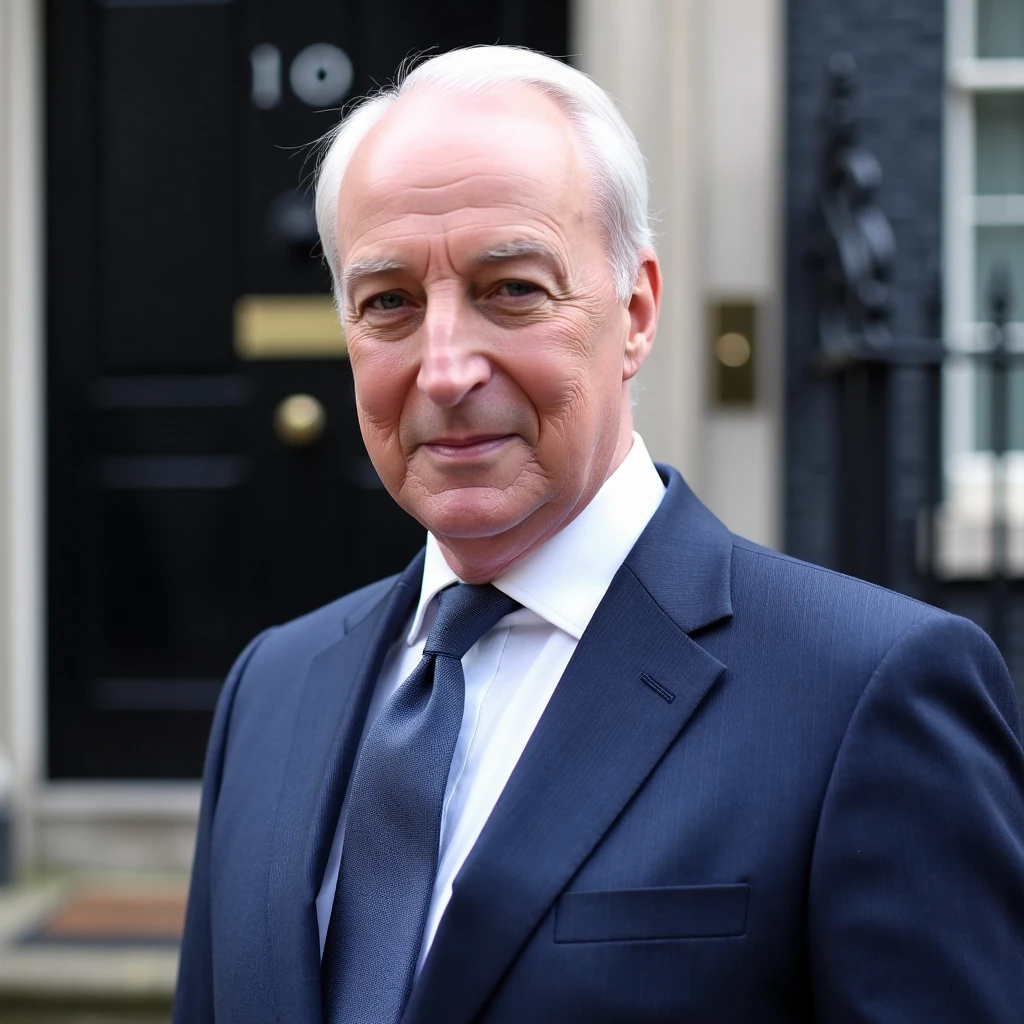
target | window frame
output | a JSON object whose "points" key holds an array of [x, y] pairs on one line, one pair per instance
{"points": [[964, 522]]}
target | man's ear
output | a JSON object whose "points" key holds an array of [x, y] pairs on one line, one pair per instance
{"points": [[644, 304]]}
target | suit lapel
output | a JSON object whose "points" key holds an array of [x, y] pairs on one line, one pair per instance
{"points": [[632, 684], [333, 708]]}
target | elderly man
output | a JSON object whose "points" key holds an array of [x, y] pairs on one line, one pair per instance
{"points": [[590, 757]]}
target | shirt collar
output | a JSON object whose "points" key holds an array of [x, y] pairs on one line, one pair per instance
{"points": [[564, 580]]}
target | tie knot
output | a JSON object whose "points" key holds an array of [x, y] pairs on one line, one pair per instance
{"points": [[465, 613]]}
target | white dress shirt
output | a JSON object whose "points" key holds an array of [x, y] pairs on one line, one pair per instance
{"points": [[513, 669]]}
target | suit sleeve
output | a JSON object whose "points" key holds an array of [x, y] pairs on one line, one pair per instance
{"points": [[193, 997], [916, 898]]}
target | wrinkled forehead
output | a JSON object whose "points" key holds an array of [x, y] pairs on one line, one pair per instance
{"points": [[445, 155]]}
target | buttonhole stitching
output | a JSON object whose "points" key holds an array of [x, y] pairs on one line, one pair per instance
{"points": [[667, 695]]}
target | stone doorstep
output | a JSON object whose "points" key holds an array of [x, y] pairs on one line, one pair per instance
{"points": [[82, 981], [15, 1013]]}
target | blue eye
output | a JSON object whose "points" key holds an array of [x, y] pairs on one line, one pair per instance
{"points": [[517, 289], [389, 300]]}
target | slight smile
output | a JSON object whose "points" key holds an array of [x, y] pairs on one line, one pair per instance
{"points": [[460, 449]]}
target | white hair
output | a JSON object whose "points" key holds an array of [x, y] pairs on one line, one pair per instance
{"points": [[616, 164]]}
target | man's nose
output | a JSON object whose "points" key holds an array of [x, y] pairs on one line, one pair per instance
{"points": [[452, 363]]}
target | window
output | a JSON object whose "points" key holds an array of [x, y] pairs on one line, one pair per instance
{"points": [[984, 186]]}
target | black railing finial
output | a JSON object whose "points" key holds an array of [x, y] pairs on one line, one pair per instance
{"points": [[857, 247]]}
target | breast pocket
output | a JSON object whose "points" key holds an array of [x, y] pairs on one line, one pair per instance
{"points": [[675, 912]]}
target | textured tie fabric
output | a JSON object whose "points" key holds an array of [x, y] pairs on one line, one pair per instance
{"points": [[389, 854]]}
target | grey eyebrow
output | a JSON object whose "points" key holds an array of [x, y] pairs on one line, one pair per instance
{"points": [[367, 268], [518, 249]]}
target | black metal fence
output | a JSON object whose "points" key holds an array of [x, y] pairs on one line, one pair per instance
{"points": [[859, 350]]}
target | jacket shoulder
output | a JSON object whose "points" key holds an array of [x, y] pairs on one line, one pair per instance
{"points": [[333, 620], [806, 601], [834, 642], [280, 656]]}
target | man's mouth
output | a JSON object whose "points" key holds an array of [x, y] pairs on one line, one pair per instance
{"points": [[469, 446]]}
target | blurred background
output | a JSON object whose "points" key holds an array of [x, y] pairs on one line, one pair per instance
{"points": [[838, 192]]}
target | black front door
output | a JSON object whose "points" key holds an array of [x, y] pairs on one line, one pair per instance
{"points": [[206, 477]]}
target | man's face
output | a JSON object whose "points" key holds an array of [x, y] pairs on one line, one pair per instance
{"points": [[488, 347]]}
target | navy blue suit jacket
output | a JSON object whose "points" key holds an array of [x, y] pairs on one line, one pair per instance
{"points": [[762, 792]]}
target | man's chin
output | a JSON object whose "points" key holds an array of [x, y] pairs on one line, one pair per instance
{"points": [[472, 513]]}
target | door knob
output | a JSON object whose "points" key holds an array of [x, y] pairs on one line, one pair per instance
{"points": [[299, 420]]}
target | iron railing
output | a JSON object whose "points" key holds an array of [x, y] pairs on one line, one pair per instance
{"points": [[858, 348]]}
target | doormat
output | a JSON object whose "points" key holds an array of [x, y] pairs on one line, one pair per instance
{"points": [[94, 916]]}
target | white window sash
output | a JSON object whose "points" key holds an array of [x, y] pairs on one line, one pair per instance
{"points": [[963, 525]]}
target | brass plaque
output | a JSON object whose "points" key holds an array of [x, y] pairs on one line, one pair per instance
{"points": [[733, 353], [288, 327]]}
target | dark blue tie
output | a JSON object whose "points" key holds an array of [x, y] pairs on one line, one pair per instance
{"points": [[389, 853]]}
